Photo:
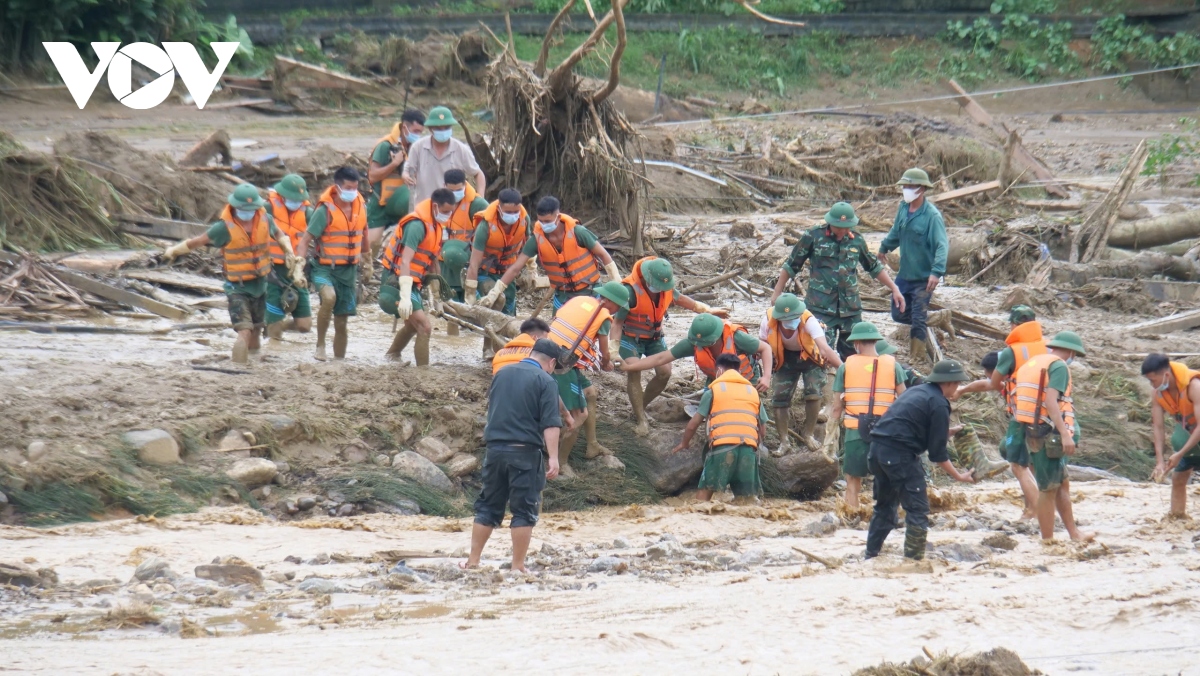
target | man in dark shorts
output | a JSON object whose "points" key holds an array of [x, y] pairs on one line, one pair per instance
{"points": [[523, 426]]}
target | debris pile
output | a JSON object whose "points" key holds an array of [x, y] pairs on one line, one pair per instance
{"points": [[997, 662]]}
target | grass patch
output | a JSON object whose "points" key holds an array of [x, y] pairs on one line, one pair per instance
{"points": [[367, 484], [606, 487]]}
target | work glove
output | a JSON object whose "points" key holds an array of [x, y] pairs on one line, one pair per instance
{"points": [[492, 296], [295, 268], [404, 307], [614, 274], [540, 282], [435, 293], [702, 308], [176, 251], [614, 354], [470, 291]]}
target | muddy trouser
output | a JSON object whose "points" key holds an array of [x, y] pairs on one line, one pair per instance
{"points": [[836, 330], [897, 483], [916, 306], [514, 475]]}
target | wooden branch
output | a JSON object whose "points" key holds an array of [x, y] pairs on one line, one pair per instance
{"points": [[714, 281], [614, 64], [153, 226], [818, 559], [989, 266], [766, 17], [1176, 322], [539, 67], [121, 295], [557, 76], [964, 192], [1099, 224]]}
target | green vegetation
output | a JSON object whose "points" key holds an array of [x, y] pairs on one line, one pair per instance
{"points": [[367, 485], [1020, 45], [603, 486], [1170, 149], [1118, 44]]}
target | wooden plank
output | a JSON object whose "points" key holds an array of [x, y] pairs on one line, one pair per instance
{"points": [[1176, 322], [154, 226], [320, 76], [238, 103], [121, 295], [178, 279], [100, 262], [964, 192], [1051, 205], [685, 169]]}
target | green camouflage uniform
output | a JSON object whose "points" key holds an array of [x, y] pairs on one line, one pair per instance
{"points": [[832, 293]]}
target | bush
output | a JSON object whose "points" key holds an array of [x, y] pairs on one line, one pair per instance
{"points": [[1116, 44], [1021, 46]]}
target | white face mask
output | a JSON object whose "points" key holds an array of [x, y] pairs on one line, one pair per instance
{"points": [[911, 195], [442, 135], [548, 227], [347, 195], [293, 205], [460, 194], [791, 324], [441, 218], [244, 214], [509, 219]]}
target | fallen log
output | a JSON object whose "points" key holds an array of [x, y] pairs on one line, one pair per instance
{"points": [[1092, 237], [1180, 321], [965, 192], [216, 145], [154, 226], [121, 295], [1158, 231], [1138, 266], [486, 318]]}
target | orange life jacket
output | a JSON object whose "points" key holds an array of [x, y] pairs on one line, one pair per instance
{"points": [[390, 184], [706, 357], [504, 242], [572, 269], [1182, 407], [571, 320], [857, 394], [460, 226], [247, 256], [1029, 378], [1026, 341], [292, 224], [427, 251], [645, 318], [808, 346], [513, 351], [733, 418], [341, 243]]}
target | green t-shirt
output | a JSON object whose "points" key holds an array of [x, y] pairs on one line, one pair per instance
{"points": [[382, 155], [481, 237], [478, 205], [582, 235], [706, 400], [218, 236], [1006, 362], [839, 385], [742, 341]]}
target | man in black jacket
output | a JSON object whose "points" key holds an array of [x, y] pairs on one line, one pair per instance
{"points": [[918, 421]]}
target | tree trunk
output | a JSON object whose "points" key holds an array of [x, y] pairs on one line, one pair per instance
{"points": [[1140, 266], [1156, 231]]}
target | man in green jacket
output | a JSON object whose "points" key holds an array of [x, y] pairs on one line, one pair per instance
{"points": [[920, 234]]}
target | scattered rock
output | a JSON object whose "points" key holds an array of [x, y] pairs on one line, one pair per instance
{"points": [[319, 560], [252, 472], [621, 542], [805, 474], [36, 450], [152, 570], [1000, 541], [403, 430], [672, 471], [742, 229], [1079, 371], [231, 574], [668, 410], [403, 582], [261, 493], [960, 552], [346, 509], [3, 499], [356, 453], [462, 464], [383, 460], [282, 577], [434, 450], [404, 507], [305, 502], [755, 557], [826, 525], [610, 462], [608, 564], [292, 558], [284, 428], [282, 466], [1081, 473], [420, 469], [20, 575], [319, 585], [154, 447], [290, 506], [965, 523], [234, 440], [164, 588], [666, 549]]}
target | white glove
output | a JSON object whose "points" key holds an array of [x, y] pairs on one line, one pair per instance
{"points": [[470, 290], [540, 282], [176, 251], [404, 307], [492, 296], [702, 308], [614, 274], [614, 354]]}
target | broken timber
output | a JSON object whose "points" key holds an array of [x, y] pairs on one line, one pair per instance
{"points": [[178, 279], [154, 226], [121, 295], [1177, 322], [1098, 225], [1020, 154], [965, 192]]}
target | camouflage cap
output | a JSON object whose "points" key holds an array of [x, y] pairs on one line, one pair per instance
{"points": [[706, 329], [246, 196], [841, 215], [1019, 314]]}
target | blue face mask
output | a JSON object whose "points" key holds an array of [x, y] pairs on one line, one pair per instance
{"points": [[1166, 385], [347, 195], [293, 205], [412, 138], [548, 227], [791, 324], [1070, 360], [244, 214], [459, 195], [509, 219], [442, 135]]}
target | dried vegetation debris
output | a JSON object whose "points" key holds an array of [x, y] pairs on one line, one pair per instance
{"points": [[995, 662]]}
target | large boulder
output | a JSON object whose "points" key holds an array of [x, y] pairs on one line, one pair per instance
{"points": [[671, 472], [804, 474], [253, 472], [284, 428], [416, 467], [154, 447], [434, 450], [462, 464], [229, 573]]}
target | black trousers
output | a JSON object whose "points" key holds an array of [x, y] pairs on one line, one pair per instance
{"points": [[897, 482], [515, 477]]}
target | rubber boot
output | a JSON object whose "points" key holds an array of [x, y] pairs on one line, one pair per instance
{"points": [[421, 349], [637, 401], [594, 449], [241, 351], [968, 445], [914, 542], [918, 351], [400, 341], [340, 337], [812, 409], [324, 314], [782, 424]]}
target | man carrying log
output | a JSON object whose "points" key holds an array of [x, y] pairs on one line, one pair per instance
{"points": [[430, 157], [1045, 409], [582, 325], [501, 231], [1176, 393], [569, 253], [638, 331], [410, 260], [708, 338], [243, 233], [385, 173], [798, 344], [920, 233], [835, 252], [457, 235], [290, 209], [737, 426], [338, 226]]}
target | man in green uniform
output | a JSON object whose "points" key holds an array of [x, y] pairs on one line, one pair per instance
{"points": [[243, 233], [501, 232], [920, 233], [457, 233], [835, 252], [389, 191], [291, 209], [705, 332]]}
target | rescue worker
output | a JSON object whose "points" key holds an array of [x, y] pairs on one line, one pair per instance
{"points": [[912, 377], [1176, 393], [708, 338], [638, 331], [430, 157], [1024, 341], [920, 233], [918, 421], [852, 401], [501, 231], [389, 191], [289, 208], [835, 252], [798, 345], [591, 318], [1045, 409], [569, 253], [408, 256], [737, 426], [458, 233], [338, 226], [244, 232], [532, 330]]}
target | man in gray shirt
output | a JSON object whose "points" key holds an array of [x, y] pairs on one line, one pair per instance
{"points": [[523, 426], [430, 157]]}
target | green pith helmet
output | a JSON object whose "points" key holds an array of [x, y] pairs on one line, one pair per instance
{"points": [[616, 292], [788, 307], [864, 331], [292, 187], [915, 176], [947, 371], [246, 196], [884, 347], [1068, 340], [1019, 314], [440, 117], [841, 215], [706, 330], [455, 254], [658, 275]]}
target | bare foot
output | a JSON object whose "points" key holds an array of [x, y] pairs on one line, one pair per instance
{"points": [[522, 570], [320, 354], [642, 428], [565, 471], [1083, 537], [241, 354], [595, 451], [467, 565], [1026, 515]]}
